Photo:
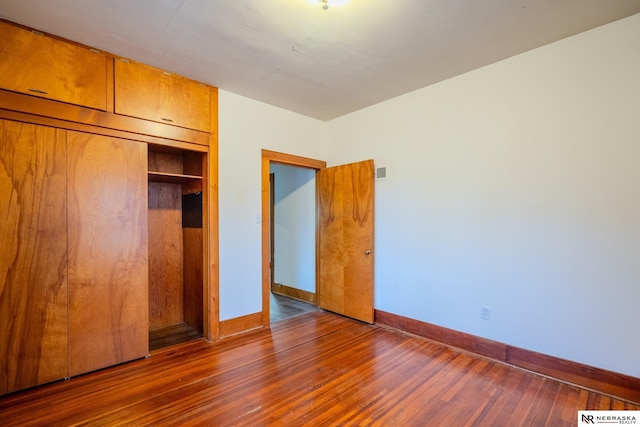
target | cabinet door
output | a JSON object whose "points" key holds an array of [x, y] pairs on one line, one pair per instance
{"points": [[108, 275], [152, 94], [42, 66], [33, 258]]}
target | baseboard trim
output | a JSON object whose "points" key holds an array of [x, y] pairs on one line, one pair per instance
{"points": [[299, 294], [241, 324], [612, 383]]}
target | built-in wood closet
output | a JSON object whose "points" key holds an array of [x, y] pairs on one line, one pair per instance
{"points": [[108, 208]]}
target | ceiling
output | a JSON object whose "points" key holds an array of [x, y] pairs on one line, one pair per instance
{"points": [[319, 63]]}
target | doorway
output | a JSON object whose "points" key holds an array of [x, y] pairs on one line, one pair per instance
{"points": [[279, 162], [344, 235], [293, 241]]}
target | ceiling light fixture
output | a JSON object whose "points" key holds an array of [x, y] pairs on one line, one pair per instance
{"points": [[326, 3]]}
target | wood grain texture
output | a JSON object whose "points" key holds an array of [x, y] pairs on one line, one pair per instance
{"points": [[193, 289], [213, 97], [296, 293], [333, 251], [76, 116], [166, 161], [293, 160], [193, 163], [318, 369], [42, 66], [176, 286], [166, 244], [211, 231], [269, 157], [265, 231], [602, 380], [66, 71], [166, 255], [239, 325], [33, 258], [208, 279], [283, 307], [171, 335], [345, 276], [477, 345], [108, 273], [110, 102], [73, 117], [152, 94]]}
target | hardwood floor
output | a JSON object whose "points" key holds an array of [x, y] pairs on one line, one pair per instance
{"points": [[171, 335], [315, 369], [283, 307]]}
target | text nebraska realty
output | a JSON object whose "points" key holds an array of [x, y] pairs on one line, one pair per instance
{"points": [[609, 419]]}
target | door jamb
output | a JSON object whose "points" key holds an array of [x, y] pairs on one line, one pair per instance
{"points": [[269, 157], [272, 264]]}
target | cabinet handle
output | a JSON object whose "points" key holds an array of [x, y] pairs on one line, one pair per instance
{"points": [[37, 91], [167, 120]]}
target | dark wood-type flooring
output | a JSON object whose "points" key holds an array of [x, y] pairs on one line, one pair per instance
{"points": [[315, 369], [282, 308]]}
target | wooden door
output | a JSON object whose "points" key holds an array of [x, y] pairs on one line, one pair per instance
{"points": [[33, 256], [345, 274], [108, 274]]}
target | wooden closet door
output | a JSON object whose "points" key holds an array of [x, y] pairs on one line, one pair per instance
{"points": [[108, 275], [33, 256]]}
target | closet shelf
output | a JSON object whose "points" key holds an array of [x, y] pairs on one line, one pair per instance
{"points": [[172, 178]]}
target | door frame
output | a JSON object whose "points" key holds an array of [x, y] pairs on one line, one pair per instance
{"points": [[269, 157]]}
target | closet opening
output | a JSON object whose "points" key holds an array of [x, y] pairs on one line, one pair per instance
{"points": [[177, 245]]}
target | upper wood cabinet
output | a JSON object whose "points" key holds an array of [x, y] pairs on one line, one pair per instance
{"points": [[149, 93], [42, 66]]}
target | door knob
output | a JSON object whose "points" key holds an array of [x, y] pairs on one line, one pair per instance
{"points": [[368, 252]]}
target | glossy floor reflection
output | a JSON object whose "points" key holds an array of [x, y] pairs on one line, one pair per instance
{"points": [[315, 369]]}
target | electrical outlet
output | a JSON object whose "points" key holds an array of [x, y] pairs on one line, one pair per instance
{"points": [[485, 312]]}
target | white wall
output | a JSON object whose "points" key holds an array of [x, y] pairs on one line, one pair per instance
{"points": [[247, 127], [295, 227], [515, 186]]}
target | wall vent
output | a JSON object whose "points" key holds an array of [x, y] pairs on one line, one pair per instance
{"points": [[381, 173]]}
